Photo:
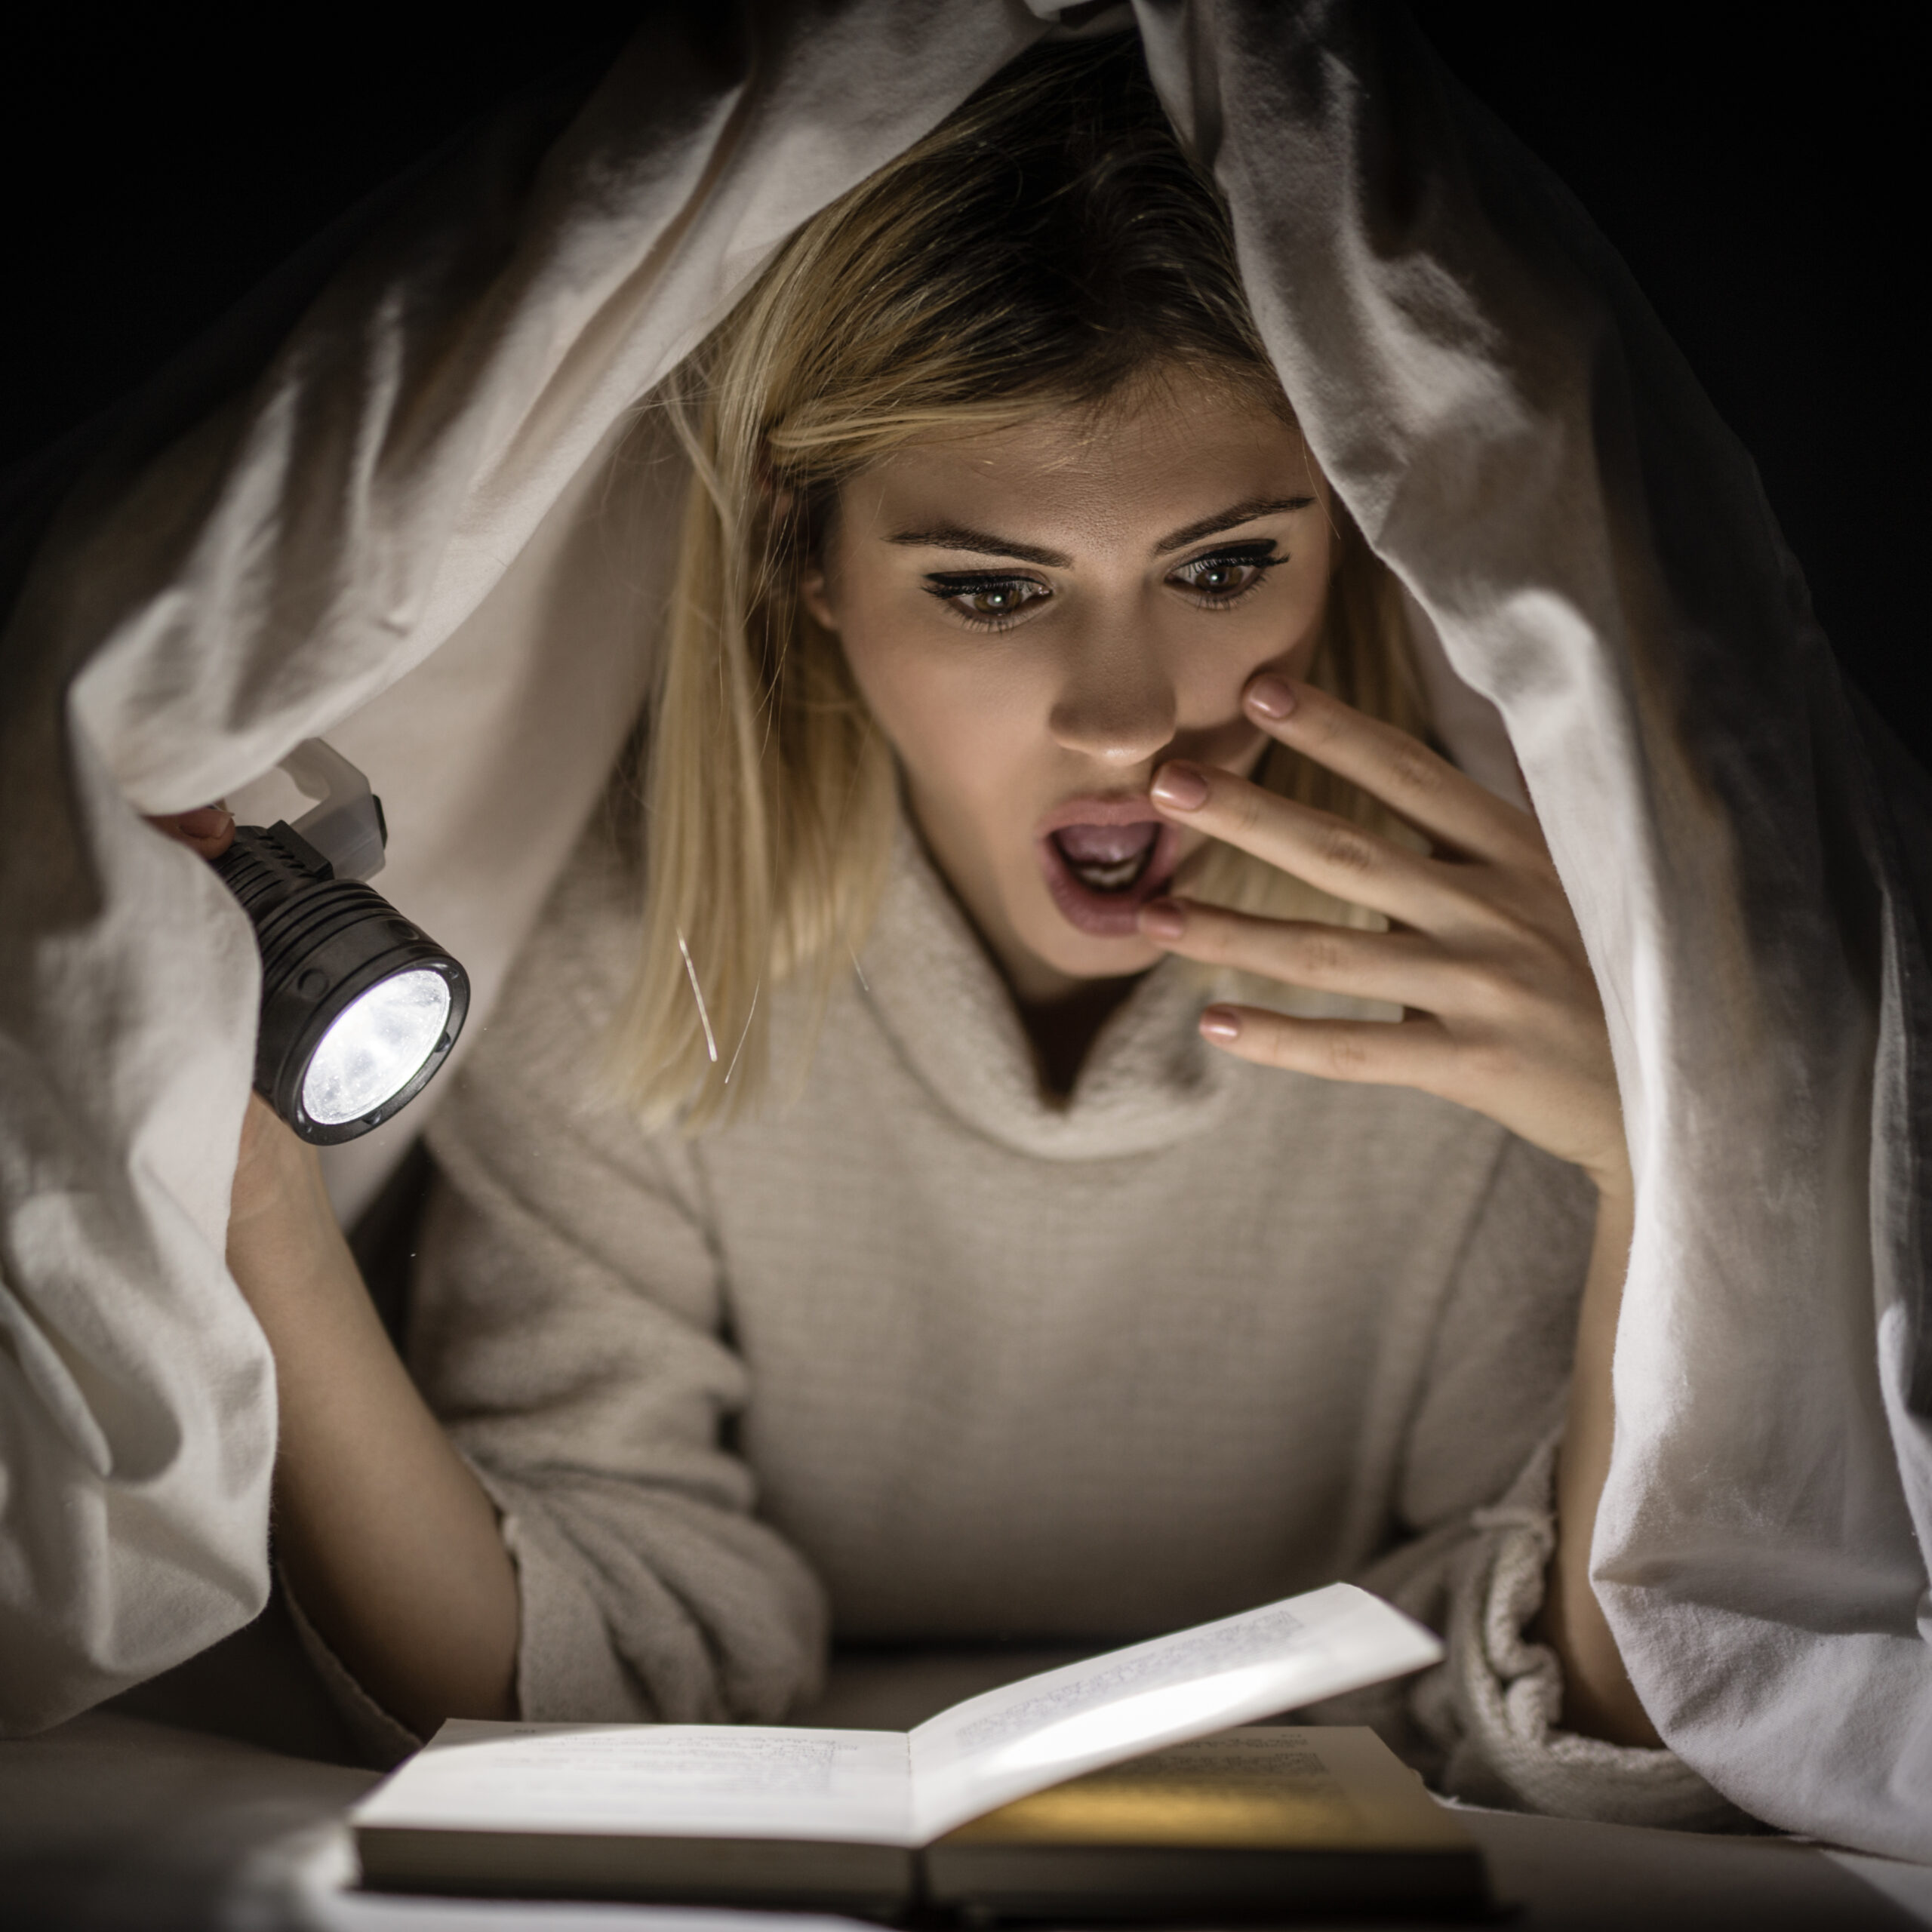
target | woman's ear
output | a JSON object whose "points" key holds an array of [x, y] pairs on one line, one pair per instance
{"points": [[812, 594], [787, 511]]}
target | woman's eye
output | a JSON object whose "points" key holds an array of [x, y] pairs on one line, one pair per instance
{"points": [[1220, 579], [986, 600]]}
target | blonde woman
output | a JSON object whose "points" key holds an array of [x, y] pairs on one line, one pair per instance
{"points": [[900, 1197]]}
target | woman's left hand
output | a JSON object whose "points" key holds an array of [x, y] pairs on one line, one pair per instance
{"points": [[1500, 1012]]}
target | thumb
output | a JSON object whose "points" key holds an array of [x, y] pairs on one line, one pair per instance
{"points": [[209, 829]]}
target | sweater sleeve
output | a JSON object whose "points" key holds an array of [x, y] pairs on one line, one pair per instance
{"points": [[569, 1330], [1476, 1501]]}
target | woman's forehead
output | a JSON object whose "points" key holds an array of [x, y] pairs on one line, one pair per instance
{"points": [[1130, 473]]}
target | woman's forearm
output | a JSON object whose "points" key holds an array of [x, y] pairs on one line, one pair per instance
{"points": [[1598, 1699], [391, 1544]]}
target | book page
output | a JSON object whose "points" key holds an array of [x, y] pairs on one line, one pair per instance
{"points": [[663, 1780], [1329, 1788], [1027, 1736]]}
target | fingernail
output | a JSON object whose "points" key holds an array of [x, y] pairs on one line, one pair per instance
{"points": [[1181, 786], [1272, 697], [1161, 918], [1221, 1023], [204, 821]]}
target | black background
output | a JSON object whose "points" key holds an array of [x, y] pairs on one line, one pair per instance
{"points": [[1764, 181]]}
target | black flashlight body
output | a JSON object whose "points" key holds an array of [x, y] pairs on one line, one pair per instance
{"points": [[325, 941]]}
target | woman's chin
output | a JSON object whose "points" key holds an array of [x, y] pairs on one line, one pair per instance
{"points": [[1078, 953]]}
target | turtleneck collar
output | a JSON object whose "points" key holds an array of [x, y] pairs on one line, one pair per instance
{"points": [[1149, 1080]]}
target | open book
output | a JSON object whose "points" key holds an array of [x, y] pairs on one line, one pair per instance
{"points": [[839, 1818]]}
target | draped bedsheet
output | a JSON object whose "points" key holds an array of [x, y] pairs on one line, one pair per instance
{"points": [[415, 499]]}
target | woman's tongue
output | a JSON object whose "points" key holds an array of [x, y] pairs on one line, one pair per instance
{"points": [[1106, 858]]}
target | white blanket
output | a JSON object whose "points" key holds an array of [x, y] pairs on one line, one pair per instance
{"points": [[427, 523]]}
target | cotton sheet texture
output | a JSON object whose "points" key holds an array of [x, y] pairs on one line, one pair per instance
{"points": [[407, 501]]}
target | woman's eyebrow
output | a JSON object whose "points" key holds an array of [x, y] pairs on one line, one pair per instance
{"points": [[1229, 518], [957, 537]]}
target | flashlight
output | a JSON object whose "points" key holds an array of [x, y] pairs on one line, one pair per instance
{"points": [[359, 1007]]}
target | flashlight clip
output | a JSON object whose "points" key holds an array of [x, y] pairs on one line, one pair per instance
{"points": [[347, 827]]}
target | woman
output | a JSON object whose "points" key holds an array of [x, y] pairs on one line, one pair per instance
{"points": [[1026, 683]]}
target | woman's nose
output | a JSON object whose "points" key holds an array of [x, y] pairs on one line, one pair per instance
{"points": [[1116, 702]]}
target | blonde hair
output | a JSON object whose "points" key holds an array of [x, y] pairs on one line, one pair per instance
{"points": [[1046, 246]]}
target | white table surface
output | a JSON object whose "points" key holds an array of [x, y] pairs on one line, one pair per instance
{"points": [[114, 1822]]}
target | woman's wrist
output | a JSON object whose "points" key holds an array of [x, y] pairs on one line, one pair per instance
{"points": [[285, 1245], [1617, 1189], [1599, 1699]]}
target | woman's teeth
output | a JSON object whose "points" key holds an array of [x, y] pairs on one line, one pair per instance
{"points": [[1109, 879], [1107, 858]]}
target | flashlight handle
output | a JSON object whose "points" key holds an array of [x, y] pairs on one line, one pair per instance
{"points": [[347, 826]]}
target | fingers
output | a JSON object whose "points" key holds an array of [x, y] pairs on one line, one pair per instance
{"points": [[1402, 969], [209, 829], [1327, 852], [1427, 791], [1502, 1014], [1415, 1052]]}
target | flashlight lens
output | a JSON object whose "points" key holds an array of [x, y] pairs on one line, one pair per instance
{"points": [[375, 1048]]}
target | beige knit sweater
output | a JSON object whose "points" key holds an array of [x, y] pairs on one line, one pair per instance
{"points": [[922, 1356]]}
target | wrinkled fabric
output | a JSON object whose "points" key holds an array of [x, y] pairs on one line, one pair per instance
{"points": [[1504, 416], [411, 484]]}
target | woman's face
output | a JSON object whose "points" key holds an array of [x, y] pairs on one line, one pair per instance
{"points": [[1039, 617]]}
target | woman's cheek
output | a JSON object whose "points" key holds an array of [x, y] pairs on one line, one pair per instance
{"points": [[973, 731], [1226, 667], [927, 703]]}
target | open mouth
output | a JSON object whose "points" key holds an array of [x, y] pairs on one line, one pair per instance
{"points": [[1100, 874], [1106, 858]]}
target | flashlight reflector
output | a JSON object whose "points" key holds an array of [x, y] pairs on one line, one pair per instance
{"points": [[374, 1049]]}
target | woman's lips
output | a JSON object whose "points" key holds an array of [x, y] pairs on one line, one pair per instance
{"points": [[1106, 839]]}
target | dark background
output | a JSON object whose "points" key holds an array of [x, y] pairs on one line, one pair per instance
{"points": [[1762, 178]]}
